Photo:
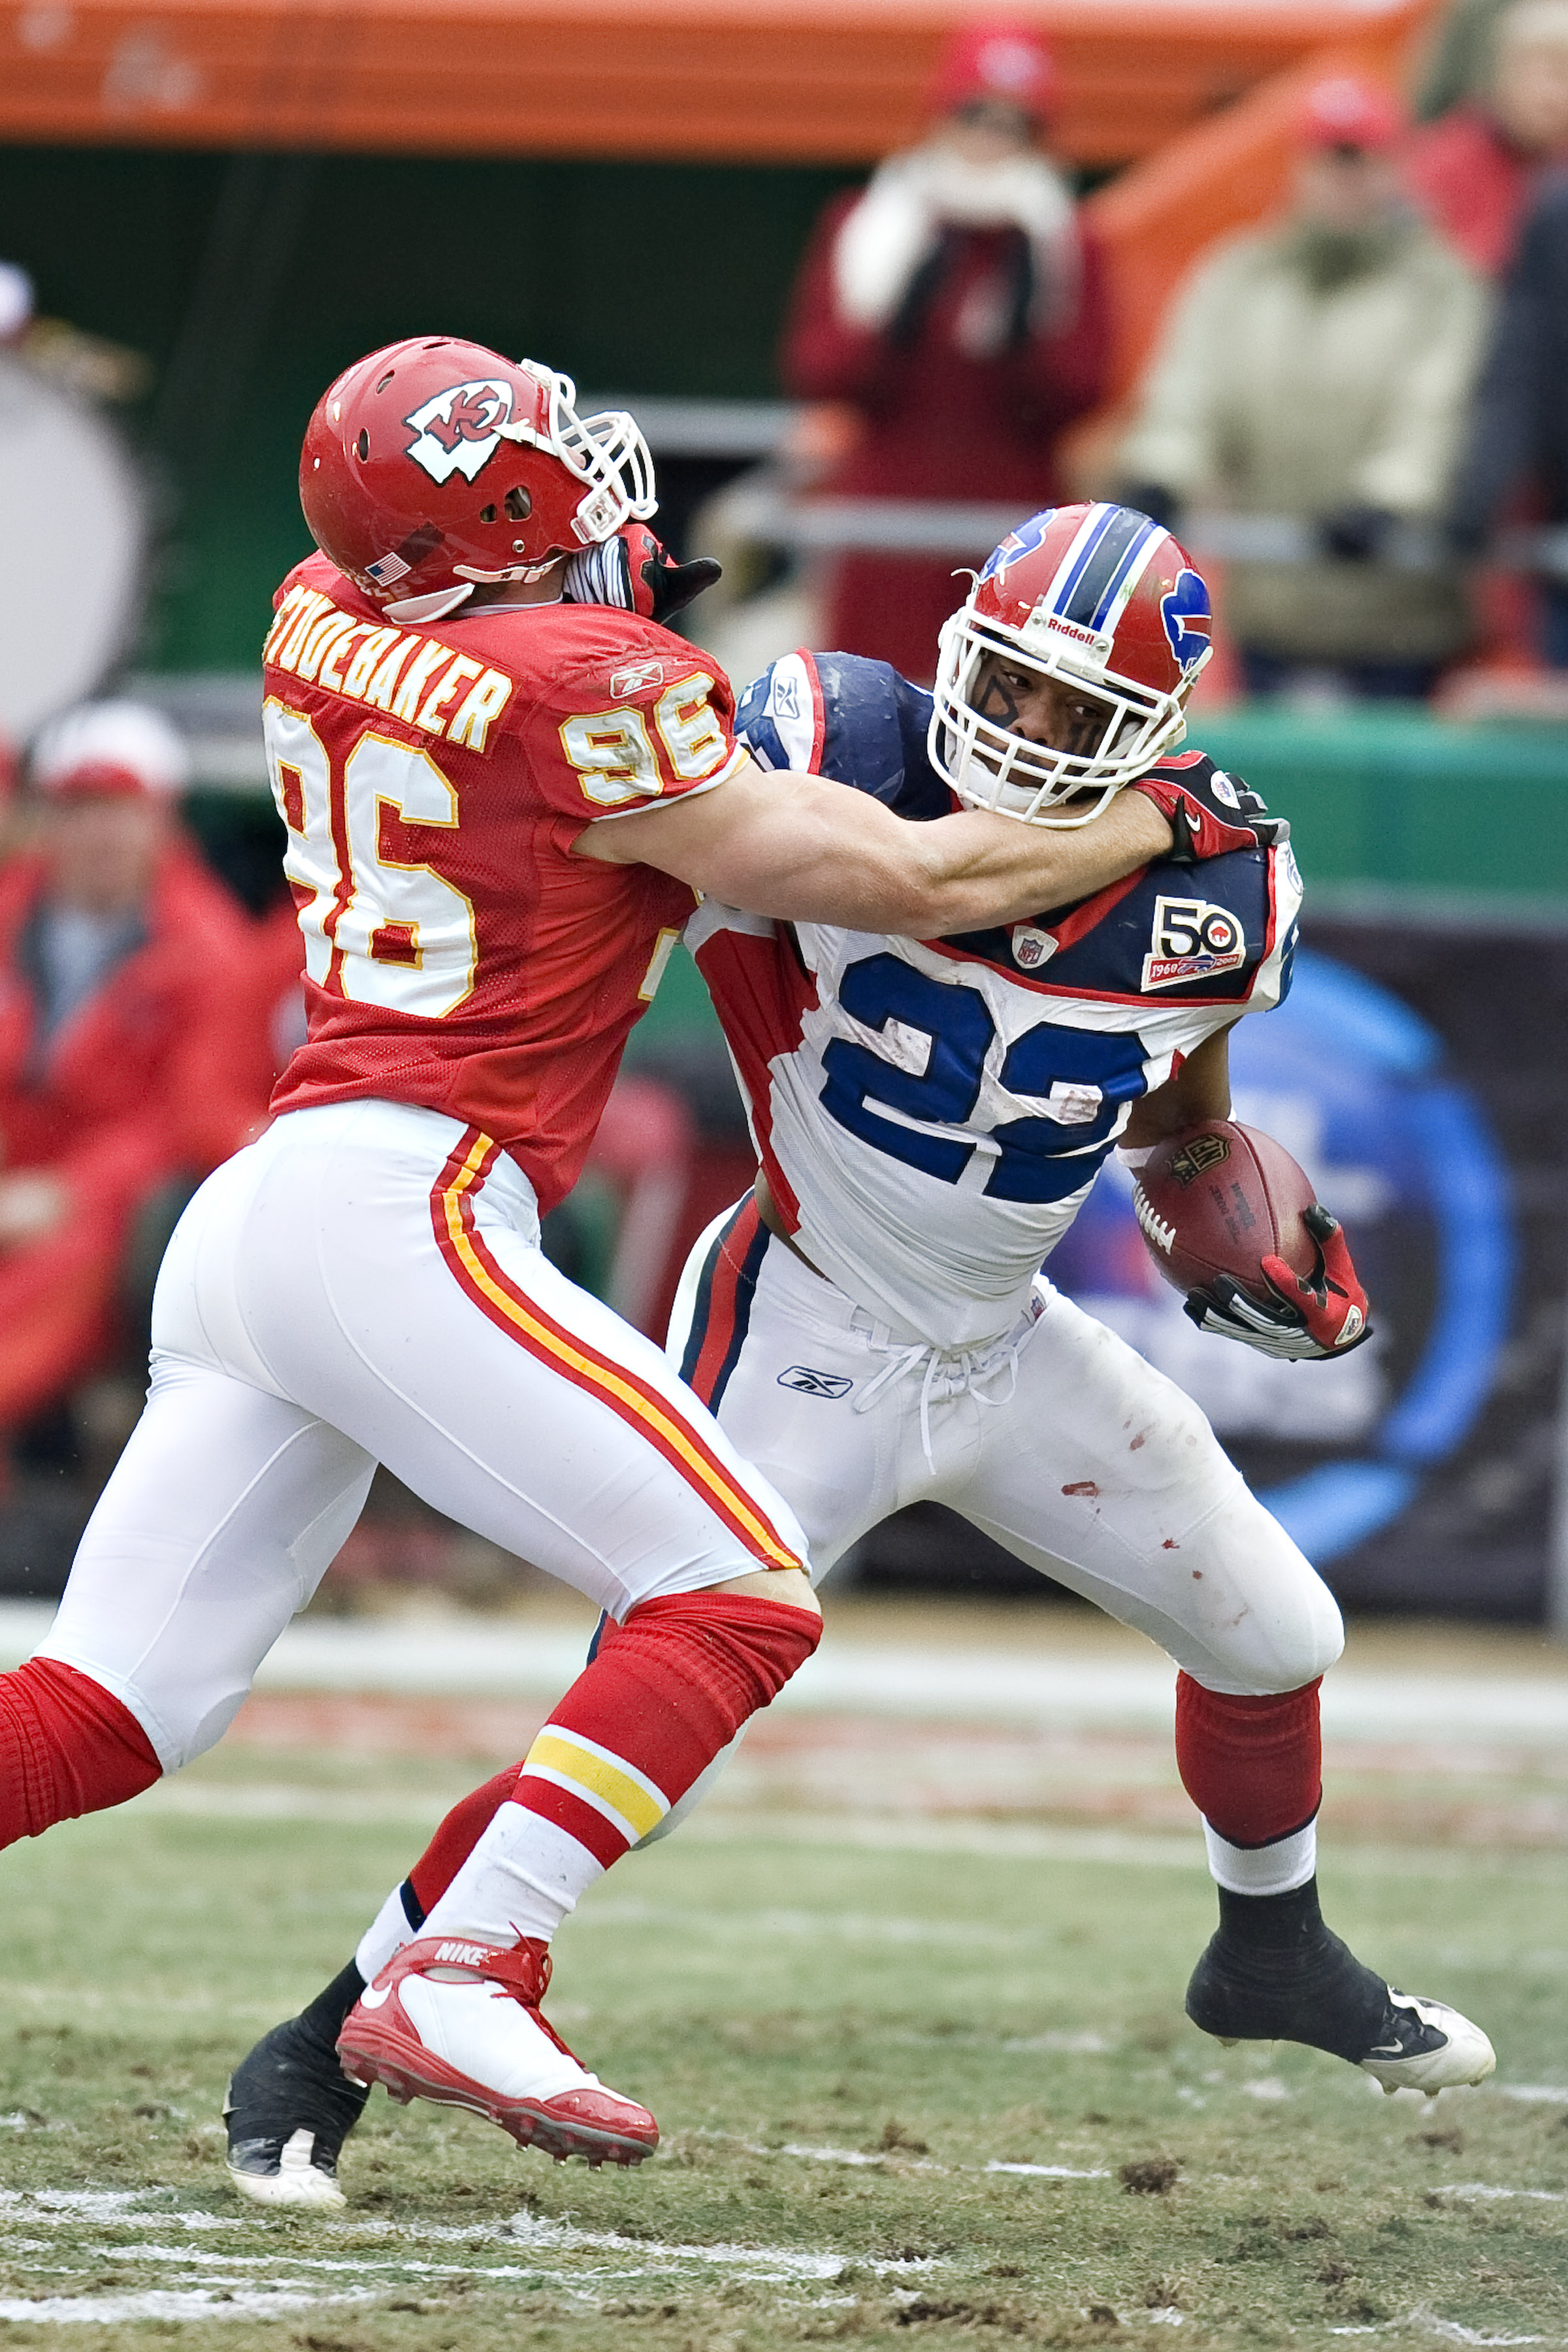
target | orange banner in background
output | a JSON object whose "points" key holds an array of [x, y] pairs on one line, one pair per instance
{"points": [[677, 80]]}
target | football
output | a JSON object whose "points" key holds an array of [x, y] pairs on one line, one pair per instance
{"points": [[1218, 1199]]}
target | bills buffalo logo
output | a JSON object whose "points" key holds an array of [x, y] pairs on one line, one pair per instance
{"points": [[1189, 624], [1194, 1159], [1022, 541], [461, 429]]}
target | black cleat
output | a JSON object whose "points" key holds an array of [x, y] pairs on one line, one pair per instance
{"points": [[1318, 1993], [289, 2109]]}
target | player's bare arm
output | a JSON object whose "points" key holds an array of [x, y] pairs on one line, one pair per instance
{"points": [[809, 850], [1199, 1090]]}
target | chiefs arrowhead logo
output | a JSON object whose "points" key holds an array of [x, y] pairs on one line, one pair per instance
{"points": [[461, 429]]}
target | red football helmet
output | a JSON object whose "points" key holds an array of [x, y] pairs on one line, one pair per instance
{"points": [[1101, 598], [434, 465]]}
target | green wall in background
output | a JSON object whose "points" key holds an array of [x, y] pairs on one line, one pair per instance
{"points": [[645, 278]]}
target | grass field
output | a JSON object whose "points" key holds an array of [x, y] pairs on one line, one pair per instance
{"points": [[924, 2082]]}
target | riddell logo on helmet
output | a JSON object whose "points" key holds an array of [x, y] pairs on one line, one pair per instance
{"points": [[1043, 624], [460, 430]]}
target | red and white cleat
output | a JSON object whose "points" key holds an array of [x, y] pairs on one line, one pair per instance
{"points": [[459, 2023]]}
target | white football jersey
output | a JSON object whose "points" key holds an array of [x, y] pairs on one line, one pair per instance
{"points": [[930, 1115]]}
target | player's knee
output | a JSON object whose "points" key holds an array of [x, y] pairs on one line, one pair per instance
{"points": [[789, 1586], [1308, 1631], [1274, 1625], [184, 1719]]}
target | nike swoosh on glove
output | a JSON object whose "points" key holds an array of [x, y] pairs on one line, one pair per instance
{"points": [[1319, 1315], [633, 571], [1210, 813]]}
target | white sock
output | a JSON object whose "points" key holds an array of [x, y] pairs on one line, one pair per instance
{"points": [[1273, 1869], [522, 1879], [384, 1937]]}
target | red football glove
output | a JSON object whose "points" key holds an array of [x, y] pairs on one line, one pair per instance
{"points": [[633, 571], [1209, 813], [1319, 1315]]}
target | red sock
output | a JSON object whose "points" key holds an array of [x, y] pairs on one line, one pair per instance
{"points": [[1253, 1767], [665, 1692], [454, 1840], [67, 1748]]}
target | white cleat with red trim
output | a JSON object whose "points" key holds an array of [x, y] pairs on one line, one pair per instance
{"points": [[459, 2023]]}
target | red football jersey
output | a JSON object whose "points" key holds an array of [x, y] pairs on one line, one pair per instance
{"points": [[433, 782]]}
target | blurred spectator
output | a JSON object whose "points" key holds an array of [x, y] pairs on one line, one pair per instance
{"points": [[1457, 60], [1519, 436], [1317, 371], [956, 303], [88, 364], [16, 304], [122, 971], [1476, 168]]}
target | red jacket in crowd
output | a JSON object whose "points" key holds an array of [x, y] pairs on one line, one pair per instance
{"points": [[155, 1076], [938, 422]]}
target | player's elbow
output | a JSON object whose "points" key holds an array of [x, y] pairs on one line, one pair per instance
{"points": [[920, 896]]}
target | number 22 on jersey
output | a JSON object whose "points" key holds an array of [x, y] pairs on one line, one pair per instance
{"points": [[377, 929]]}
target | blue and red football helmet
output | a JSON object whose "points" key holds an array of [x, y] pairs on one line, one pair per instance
{"points": [[1105, 601]]}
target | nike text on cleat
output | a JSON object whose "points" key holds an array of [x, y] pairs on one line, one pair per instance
{"points": [[459, 2023], [1320, 1994], [289, 2112], [1428, 2046]]}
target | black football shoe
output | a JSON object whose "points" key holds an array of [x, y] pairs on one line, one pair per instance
{"points": [[291, 2106], [1274, 1972]]}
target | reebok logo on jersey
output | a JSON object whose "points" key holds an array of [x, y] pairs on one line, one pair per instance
{"points": [[1193, 940], [460, 431], [816, 1384], [634, 677]]}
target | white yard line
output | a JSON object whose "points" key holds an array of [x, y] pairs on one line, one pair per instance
{"points": [[1483, 2189], [172, 2302], [523, 2233]]}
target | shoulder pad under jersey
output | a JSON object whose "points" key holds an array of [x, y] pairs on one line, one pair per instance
{"points": [[1220, 933], [848, 717]]}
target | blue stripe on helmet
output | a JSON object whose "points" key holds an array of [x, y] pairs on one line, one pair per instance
{"points": [[1063, 602], [1118, 579], [1092, 588]]}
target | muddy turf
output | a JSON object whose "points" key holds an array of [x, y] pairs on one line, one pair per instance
{"points": [[937, 2094]]}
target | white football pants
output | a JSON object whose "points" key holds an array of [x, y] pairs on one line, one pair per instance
{"points": [[365, 1285], [1058, 1442]]}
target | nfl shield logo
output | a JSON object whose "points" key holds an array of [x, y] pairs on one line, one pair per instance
{"points": [[1031, 948]]}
